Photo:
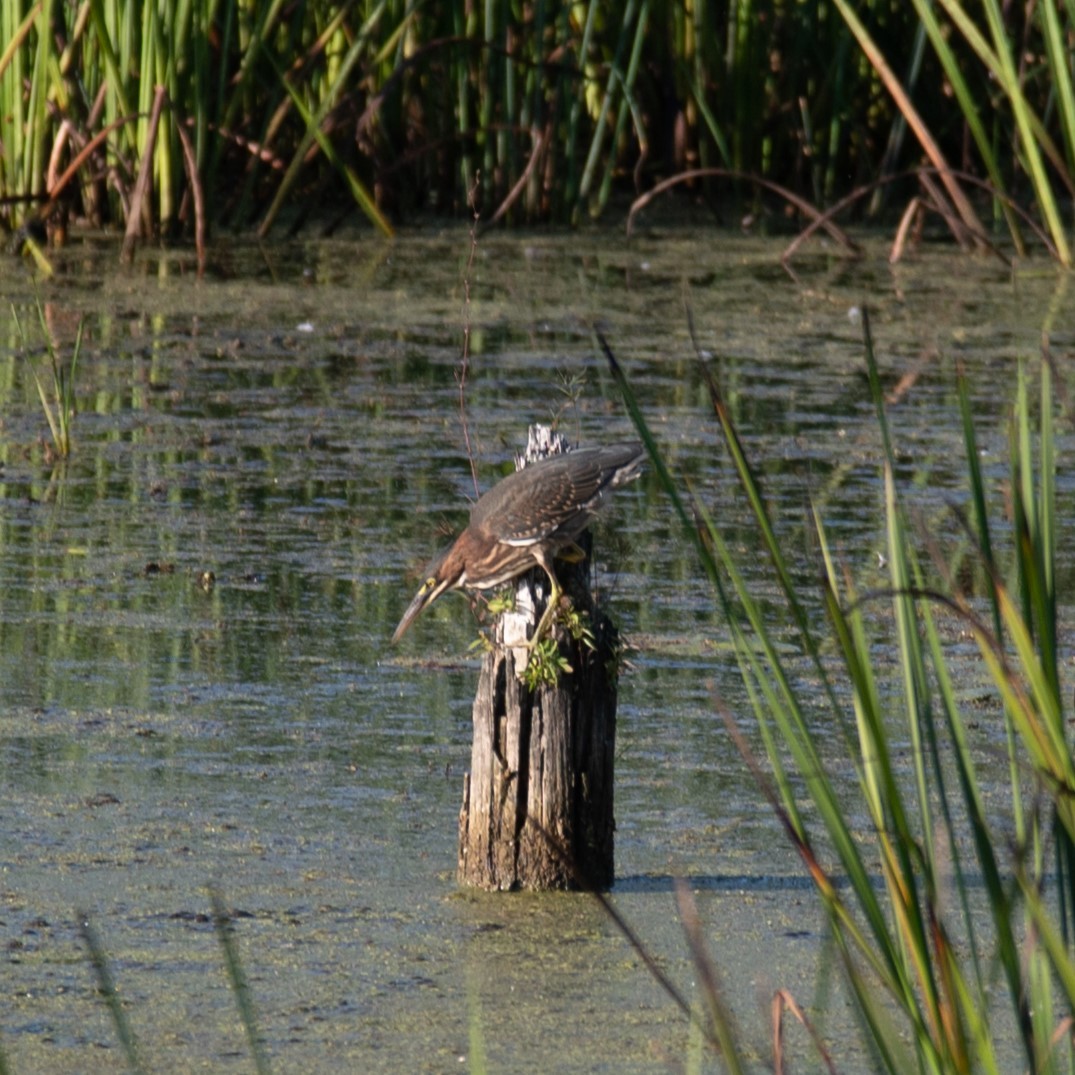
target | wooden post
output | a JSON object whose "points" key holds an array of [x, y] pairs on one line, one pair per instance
{"points": [[537, 807]]}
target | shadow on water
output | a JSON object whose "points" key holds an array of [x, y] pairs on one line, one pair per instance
{"points": [[746, 882], [196, 685]]}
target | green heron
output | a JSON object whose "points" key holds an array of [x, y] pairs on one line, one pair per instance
{"points": [[524, 521]]}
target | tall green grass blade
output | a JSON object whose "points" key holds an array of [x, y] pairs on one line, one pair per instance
{"points": [[992, 569], [314, 119], [1052, 939], [685, 512], [939, 994], [968, 104], [36, 113], [607, 97], [998, 60], [222, 924], [67, 391], [1045, 552], [767, 674], [59, 410], [981, 527], [573, 193], [508, 142], [1058, 51], [106, 987], [251, 47], [477, 1062], [461, 29], [720, 1018], [911, 953], [15, 29], [485, 98], [999, 899], [782, 702], [916, 696], [751, 487], [119, 103], [46, 407], [882, 798], [16, 32], [921, 131], [627, 105], [1032, 135]]}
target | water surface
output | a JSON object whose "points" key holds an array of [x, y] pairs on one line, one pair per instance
{"points": [[291, 424]]}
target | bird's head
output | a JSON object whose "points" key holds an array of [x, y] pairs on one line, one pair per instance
{"points": [[445, 572]]}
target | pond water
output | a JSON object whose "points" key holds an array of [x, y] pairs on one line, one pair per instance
{"points": [[290, 424]]}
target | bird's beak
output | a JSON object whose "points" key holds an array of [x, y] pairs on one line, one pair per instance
{"points": [[431, 589]]}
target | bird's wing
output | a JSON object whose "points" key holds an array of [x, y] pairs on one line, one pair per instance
{"points": [[556, 496]]}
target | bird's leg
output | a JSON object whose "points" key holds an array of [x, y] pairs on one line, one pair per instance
{"points": [[571, 554], [551, 607]]}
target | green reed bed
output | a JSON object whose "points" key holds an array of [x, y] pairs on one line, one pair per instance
{"points": [[167, 118], [953, 928]]}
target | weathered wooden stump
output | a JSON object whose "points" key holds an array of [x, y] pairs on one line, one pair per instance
{"points": [[537, 807]]}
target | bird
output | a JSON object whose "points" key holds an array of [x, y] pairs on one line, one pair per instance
{"points": [[525, 521]]}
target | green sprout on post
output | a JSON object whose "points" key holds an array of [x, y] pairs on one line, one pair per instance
{"points": [[546, 665], [481, 644], [502, 602], [577, 624]]}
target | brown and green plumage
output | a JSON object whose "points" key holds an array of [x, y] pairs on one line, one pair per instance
{"points": [[524, 521]]}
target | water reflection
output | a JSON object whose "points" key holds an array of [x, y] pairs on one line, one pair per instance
{"points": [[291, 423]]}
